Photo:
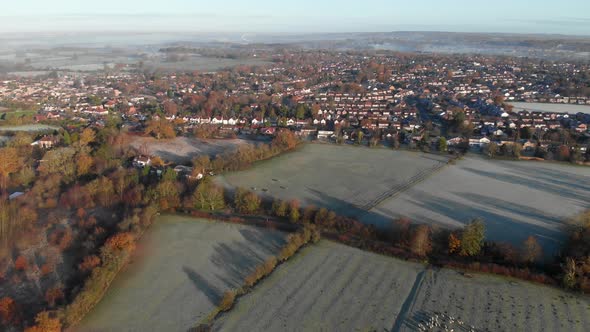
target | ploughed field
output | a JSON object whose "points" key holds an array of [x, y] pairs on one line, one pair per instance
{"points": [[515, 198], [331, 287], [182, 267], [344, 178]]}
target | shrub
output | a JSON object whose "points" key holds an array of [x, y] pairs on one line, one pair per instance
{"points": [[227, 301], [45, 322], [89, 263]]}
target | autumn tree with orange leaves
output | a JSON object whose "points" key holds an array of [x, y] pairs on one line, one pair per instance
{"points": [[9, 312], [45, 322]]}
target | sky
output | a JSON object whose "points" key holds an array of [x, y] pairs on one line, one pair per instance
{"points": [[297, 16]]}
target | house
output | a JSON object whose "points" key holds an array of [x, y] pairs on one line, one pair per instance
{"points": [[142, 161], [268, 131], [257, 122], [217, 120], [185, 171], [479, 142], [529, 146], [454, 141], [47, 142]]}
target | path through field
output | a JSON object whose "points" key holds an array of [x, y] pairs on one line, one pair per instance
{"points": [[350, 180]]}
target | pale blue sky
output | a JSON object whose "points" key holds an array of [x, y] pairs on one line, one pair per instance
{"points": [[525, 16]]}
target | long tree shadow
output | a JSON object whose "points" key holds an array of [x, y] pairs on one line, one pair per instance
{"points": [[498, 227], [347, 209], [201, 283], [566, 180], [269, 242], [519, 209], [531, 183]]}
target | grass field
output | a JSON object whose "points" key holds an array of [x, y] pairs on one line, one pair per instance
{"points": [[491, 303], [184, 149], [343, 178], [182, 268], [516, 199], [331, 287], [327, 287]]}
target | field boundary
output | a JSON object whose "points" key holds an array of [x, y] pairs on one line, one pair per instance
{"points": [[409, 301], [396, 190], [305, 237]]}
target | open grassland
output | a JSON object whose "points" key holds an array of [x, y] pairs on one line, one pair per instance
{"points": [[331, 287], [490, 303], [184, 266], [184, 149], [515, 198], [327, 287], [342, 178]]}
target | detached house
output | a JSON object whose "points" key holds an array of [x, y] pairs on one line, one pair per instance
{"points": [[47, 142]]}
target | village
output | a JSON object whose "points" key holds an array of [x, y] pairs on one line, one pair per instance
{"points": [[337, 97]]}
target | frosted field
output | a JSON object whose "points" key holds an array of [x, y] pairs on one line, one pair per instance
{"points": [[326, 287], [515, 198], [29, 127], [184, 149], [183, 267], [331, 287], [491, 303], [343, 178], [544, 107]]}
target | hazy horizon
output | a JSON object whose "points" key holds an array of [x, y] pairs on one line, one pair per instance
{"points": [[569, 17]]}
